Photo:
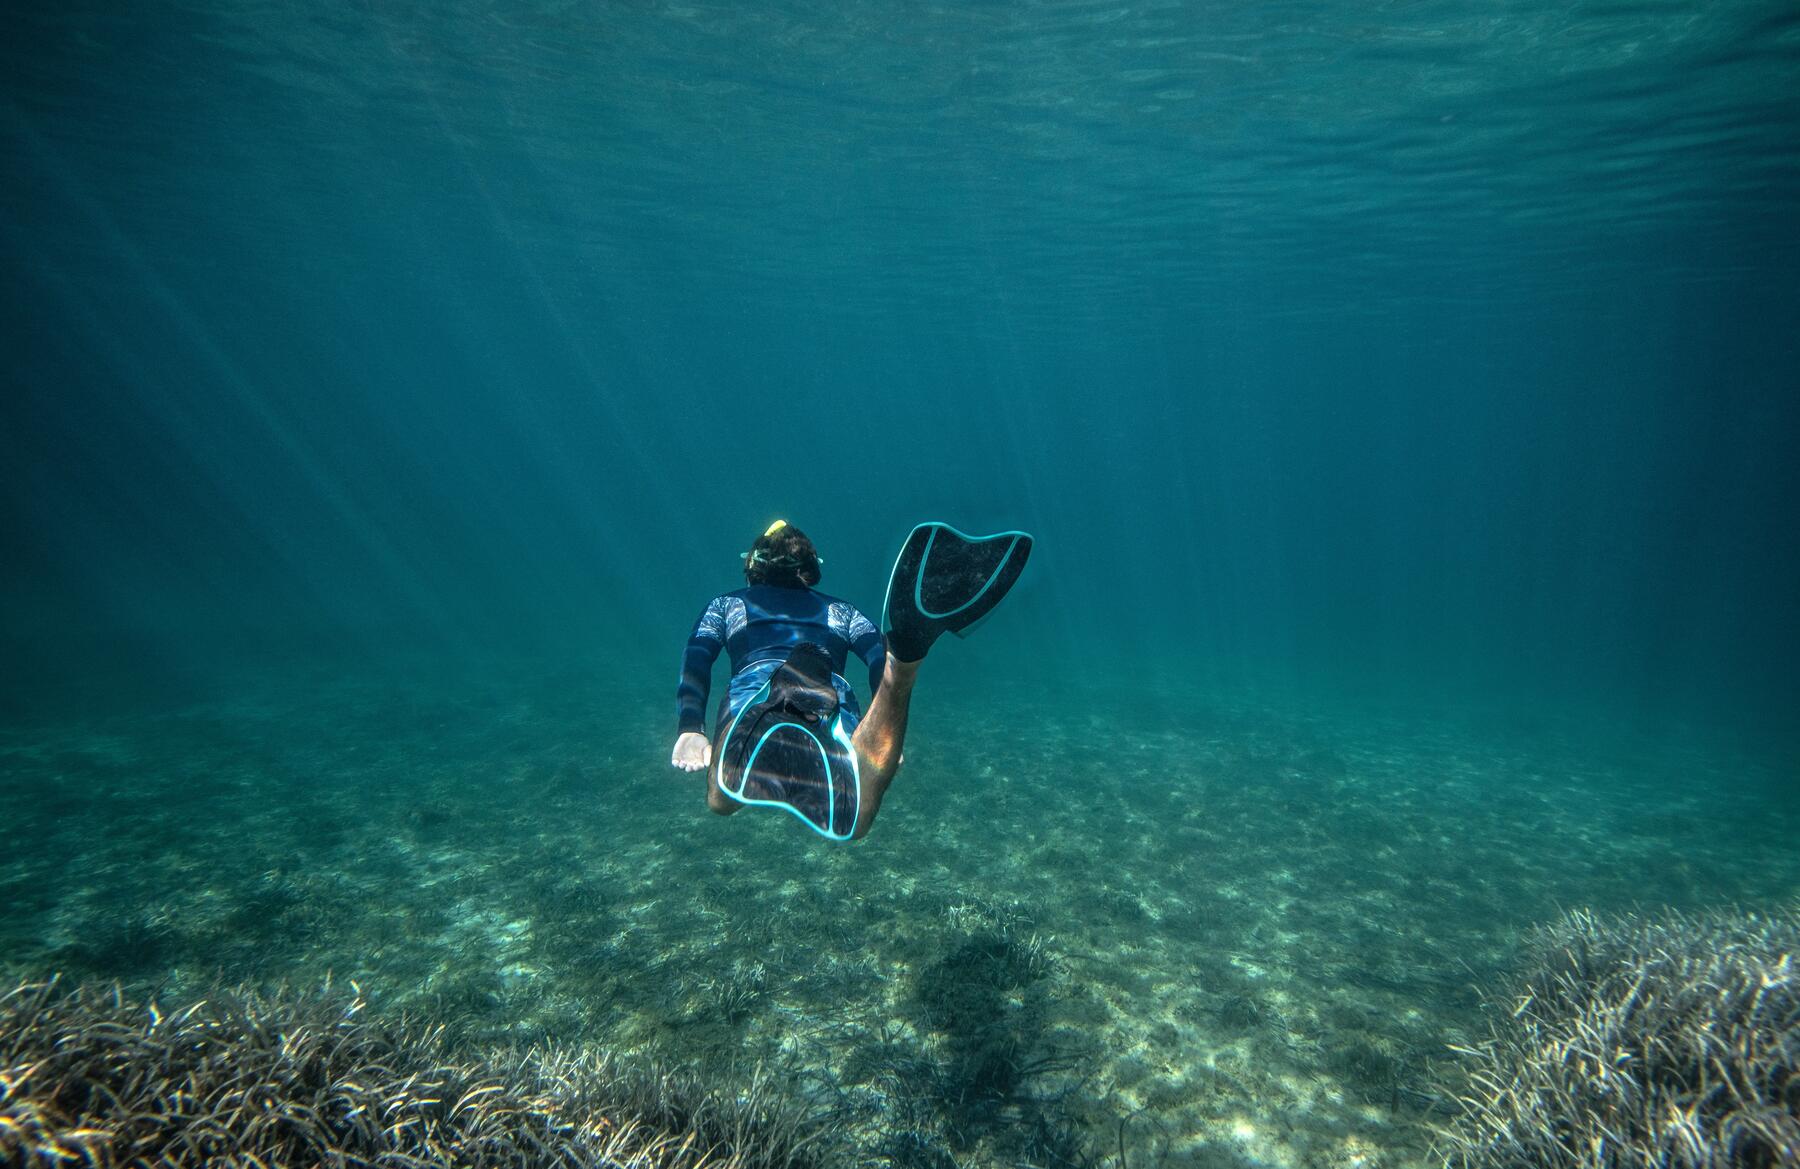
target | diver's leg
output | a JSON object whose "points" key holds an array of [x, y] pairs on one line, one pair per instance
{"points": [[880, 738], [717, 800]]}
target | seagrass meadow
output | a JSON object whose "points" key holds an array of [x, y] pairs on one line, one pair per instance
{"points": [[1387, 758]]}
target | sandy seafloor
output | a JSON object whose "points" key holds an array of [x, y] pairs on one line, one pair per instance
{"points": [[1241, 936]]}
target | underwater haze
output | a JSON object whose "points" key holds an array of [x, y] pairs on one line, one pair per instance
{"points": [[1403, 398]]}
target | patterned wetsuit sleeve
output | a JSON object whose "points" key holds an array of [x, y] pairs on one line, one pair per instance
{"points": [[866, 643], [703, 646]]}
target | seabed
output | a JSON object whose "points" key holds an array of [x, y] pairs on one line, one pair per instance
{"points": [[1078, 933]]}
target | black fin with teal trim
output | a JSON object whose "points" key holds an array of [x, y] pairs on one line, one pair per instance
{"points": [[945, 581], [787, 748]]}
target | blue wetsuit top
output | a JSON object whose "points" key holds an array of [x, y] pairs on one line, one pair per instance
{"points": [[765, 622]]}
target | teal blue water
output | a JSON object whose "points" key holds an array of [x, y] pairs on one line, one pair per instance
{"points": [[1402, 396], [1436, 342]]}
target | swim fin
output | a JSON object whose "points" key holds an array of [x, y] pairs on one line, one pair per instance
{"points": [[944, 581], [788, 748]]}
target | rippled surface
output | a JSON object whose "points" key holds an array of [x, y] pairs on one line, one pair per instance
{"points": [[1098, 150]]}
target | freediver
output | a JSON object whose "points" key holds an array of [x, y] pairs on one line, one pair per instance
{"points": [[790, 732]]}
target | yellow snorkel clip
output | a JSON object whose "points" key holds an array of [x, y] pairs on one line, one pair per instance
{"points": [[760, 555]]}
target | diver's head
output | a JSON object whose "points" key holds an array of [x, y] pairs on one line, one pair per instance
{"points": [[783, 557]]}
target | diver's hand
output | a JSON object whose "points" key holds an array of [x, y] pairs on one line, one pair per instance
{"points": [[692, 751]]}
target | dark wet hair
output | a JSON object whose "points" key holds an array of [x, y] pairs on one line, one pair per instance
{"points": [[783, 557]]}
